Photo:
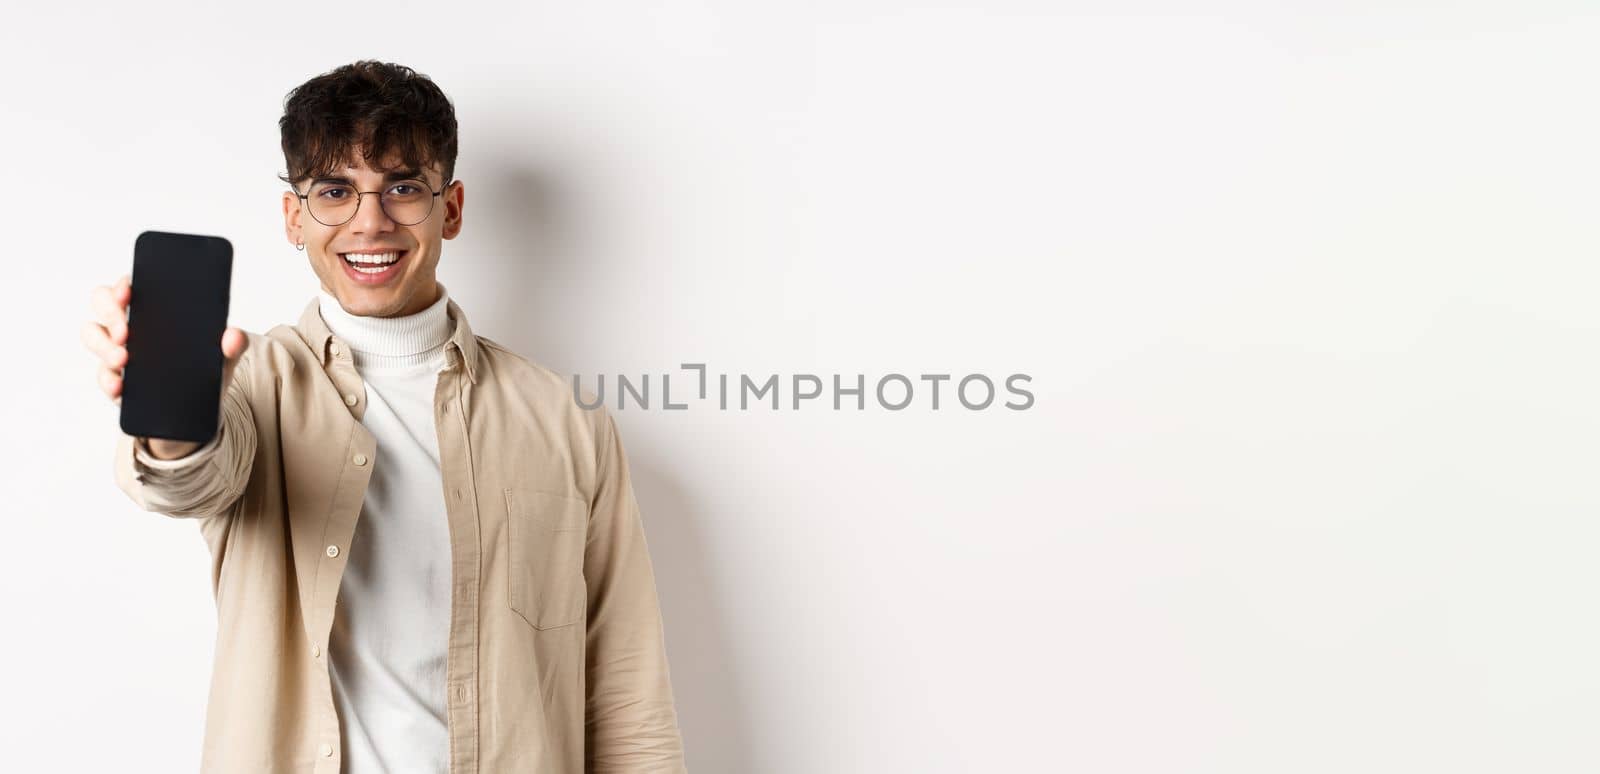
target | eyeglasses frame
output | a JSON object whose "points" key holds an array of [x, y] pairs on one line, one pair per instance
{"points": [[305, 201]]}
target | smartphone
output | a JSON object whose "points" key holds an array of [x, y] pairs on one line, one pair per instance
{"points": [[172, 382]]}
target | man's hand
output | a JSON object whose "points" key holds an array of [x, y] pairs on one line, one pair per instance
{"points": [[106, 335]]}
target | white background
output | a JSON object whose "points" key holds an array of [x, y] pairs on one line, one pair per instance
{"points": [[1307, 292]]}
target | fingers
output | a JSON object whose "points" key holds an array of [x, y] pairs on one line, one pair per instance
{"points": [[108, 306], [94, 338], [111, 385], [106, 335], [122, 292]]}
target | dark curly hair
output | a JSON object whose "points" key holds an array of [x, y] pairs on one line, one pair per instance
{"points": [[383, 107]]}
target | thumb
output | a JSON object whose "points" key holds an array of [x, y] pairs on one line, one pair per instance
{"points": [[234, 343]]}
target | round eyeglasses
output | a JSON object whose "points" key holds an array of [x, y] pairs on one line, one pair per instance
{"points": [[406, 202]]}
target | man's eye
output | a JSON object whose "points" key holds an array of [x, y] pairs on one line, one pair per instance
{"points": [[334, 194], [404, 189]]}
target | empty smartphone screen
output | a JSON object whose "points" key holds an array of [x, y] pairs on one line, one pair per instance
{"points": [[177, 311]]}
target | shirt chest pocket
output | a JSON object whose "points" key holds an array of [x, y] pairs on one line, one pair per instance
{"points": [[546, 533]]}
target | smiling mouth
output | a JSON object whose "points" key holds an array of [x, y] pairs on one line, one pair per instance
{"points": [[373, 264]]}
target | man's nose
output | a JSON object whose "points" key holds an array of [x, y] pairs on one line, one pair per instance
{"points": [[370, 217]]}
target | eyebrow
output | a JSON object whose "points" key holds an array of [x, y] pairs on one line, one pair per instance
{"points": [[410, 173]]}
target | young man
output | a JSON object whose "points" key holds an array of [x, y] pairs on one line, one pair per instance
{"points": [[426, 556]]}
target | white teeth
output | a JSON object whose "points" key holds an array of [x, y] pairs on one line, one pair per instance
{"points": [[378, 258]]}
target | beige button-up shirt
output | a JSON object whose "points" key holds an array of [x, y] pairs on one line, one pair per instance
{"points": [[557, 660]]}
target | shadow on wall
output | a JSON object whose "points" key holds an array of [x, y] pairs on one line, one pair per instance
{"points": [[531, 293]]}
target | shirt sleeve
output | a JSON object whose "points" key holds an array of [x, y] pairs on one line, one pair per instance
{"points": [[630, 722], [206, 482]]}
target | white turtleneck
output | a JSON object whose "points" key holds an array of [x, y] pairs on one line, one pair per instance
{"points": [[387, 651]]}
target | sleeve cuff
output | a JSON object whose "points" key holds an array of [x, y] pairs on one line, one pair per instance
{"points": [[148, 461]]}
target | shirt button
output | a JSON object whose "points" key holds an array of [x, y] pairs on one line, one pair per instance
{"points": [[316, 651], [360, 459], [335, 349], [350, 400], [333, 551], [327, 750]]}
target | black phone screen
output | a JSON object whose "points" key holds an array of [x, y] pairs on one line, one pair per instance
{"points": [[178, 309]]}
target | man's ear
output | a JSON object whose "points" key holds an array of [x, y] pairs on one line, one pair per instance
{"points": [[454, 199], [291, 219]]}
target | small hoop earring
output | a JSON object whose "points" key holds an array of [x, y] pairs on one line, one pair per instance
{"points": [[300, 246]]}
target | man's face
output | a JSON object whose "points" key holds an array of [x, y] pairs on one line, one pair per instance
{"points": [[353, 259]]}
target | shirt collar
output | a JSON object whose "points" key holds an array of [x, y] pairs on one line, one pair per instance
{"points": [[390, 339], [462, 346]]}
